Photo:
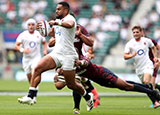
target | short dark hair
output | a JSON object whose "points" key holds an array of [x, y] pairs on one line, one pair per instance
{"points": [[137, 27], [65, 5]]}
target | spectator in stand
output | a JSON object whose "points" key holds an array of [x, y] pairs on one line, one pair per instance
{"points": [[153, 16], [156, 34], [124, 34]]}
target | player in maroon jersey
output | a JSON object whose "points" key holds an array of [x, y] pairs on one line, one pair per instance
{"points": [[153, 79], [106, 78]]}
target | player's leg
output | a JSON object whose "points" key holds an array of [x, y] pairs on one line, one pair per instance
{"points": [[77, 99], [153, 79], [29, 75], [90, 88], [69, 76], [139, 88], [147, 78], [46, 63]]}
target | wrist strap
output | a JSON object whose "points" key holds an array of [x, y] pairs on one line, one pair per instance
{"points": [[21, 50]]}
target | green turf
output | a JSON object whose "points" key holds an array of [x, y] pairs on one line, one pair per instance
{"points": [[63, 106], [12, 85]]}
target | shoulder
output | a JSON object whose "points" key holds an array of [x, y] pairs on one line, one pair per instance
{"points": [[130, 41], [69, 17], [22, 34]]}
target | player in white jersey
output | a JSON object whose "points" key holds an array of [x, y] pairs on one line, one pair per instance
{"points": [[138, 49], [28, 43], [63, 54]]}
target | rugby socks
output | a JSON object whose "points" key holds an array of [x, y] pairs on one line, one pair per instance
{"points": [[90, 86], [36, 91], [32, 92], [145, 90], [77, 99], [86, 96], [148, 85]]}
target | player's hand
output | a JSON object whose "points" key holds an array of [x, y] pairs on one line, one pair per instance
{"points": [[78, 30], [156, 65], [89, 55], [77, 63], [51, 32], [52, 22], [27, 50], [156, 59], [38, 25]]}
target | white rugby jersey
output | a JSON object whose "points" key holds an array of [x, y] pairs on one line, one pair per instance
{"points": [[65, 38], [31, 41], [142, 48]]}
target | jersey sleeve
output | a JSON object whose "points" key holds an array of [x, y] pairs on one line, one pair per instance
{"points": [[20, 38], [84, 31], [150, 43], [154, 42], [69, 17], [127, 48]]}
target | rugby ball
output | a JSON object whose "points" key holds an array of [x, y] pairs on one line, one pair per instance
{"points": [[44, 28]]}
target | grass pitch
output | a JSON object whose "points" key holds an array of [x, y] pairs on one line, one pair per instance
{"points": [[53, 105], [64, 105]]}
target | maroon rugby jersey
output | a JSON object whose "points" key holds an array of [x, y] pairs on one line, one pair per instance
{"points": [[150, 50], [96, 73], [78, 42]]}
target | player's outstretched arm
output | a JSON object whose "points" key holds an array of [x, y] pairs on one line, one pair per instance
{"points": [[87, 39]]}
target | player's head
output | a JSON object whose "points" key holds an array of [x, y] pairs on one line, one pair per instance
{"points": [[137, 32], [31, 25], [62, 10]]}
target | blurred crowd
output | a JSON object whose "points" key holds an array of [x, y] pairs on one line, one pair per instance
{"points": [[98, 23], [150, 22]]}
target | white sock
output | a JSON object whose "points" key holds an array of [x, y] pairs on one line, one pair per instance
{"points": [[32, 88], [84, 93]]}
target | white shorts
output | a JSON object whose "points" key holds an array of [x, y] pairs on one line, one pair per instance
{"points": [[146, 69], [66, 61], [29, 64]]}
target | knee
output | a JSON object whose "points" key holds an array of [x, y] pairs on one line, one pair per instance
{"points": [[37, 70], [146, 81]]}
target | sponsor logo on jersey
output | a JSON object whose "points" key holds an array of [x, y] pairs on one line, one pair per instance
{"points": [[140, 52], [32, 44]]}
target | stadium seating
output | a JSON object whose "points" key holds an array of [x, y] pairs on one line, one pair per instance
{"points": [[107, 44]]}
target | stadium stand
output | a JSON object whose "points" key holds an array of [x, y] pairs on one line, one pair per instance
{"points": [[103, 19]]}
